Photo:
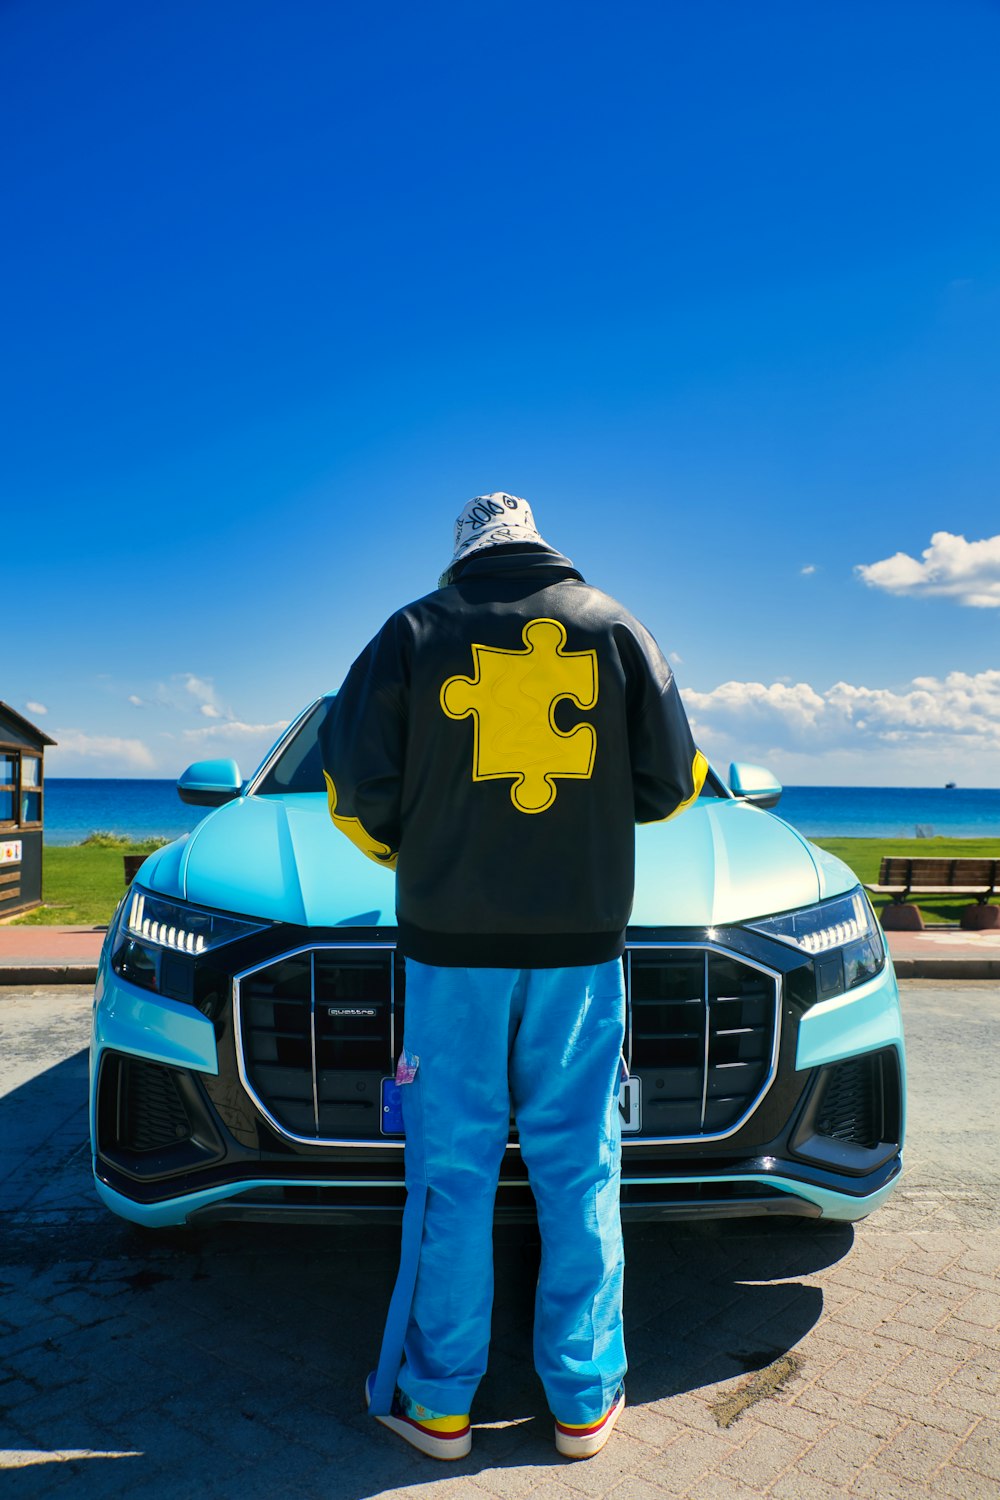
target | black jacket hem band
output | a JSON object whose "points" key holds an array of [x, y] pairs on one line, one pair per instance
{"points": [[509, 950]]}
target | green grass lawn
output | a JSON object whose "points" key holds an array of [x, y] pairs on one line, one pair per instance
{"points": [[82, 883]]}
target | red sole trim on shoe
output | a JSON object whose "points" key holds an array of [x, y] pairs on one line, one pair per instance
{"points": [[586, 1442], [432, 1444]]}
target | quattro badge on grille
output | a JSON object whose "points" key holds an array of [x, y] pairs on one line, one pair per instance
{"points": [[350, 1010]]}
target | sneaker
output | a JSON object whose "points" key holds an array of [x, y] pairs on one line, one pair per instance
{"points": [[583, 1441], [435, 1434]]}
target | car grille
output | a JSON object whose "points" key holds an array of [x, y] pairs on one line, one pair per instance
{"points": [[703, 1038], [318, 1029], [317, 1033]]}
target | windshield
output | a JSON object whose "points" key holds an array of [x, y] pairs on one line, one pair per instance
{"points": [[713, 786], [299, 767]]}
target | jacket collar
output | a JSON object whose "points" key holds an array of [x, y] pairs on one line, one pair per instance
{"points": [[522, 560]]}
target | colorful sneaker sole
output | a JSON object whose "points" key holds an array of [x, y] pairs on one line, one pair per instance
{"points": [[584, 1442], [443, 1445]]}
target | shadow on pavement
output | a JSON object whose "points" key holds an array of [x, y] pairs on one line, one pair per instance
{"points": [[230, 1361]]}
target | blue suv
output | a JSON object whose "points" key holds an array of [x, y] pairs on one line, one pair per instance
{"points": [[249, 1011]]}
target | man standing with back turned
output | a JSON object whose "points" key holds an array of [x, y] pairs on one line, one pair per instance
{"points": [[495, 744]]}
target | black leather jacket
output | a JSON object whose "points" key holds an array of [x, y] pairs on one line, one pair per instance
{"points": [[496, 743]]}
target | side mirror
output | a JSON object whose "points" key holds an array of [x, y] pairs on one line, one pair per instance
{"points": [[754, 784], [209, 783]]}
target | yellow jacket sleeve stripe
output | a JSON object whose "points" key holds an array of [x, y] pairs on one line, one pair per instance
{"points": [[354, 829]]}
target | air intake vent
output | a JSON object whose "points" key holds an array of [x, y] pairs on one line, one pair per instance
{"points": [[152, 1120], [153, 1115], [850, 1109]]}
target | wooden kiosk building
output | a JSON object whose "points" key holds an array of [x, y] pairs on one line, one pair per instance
{"points": [[22, 807]]}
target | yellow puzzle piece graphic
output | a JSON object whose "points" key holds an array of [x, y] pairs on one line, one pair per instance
{"points": [[512, 698]]}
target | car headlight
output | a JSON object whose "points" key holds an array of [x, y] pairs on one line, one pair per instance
{"points": [[156, 941], [842, 936], [175, 924]]}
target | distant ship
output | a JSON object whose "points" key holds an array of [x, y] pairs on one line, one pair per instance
{"points": [[950, 786]]}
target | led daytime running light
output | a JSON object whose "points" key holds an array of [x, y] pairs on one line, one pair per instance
{"points": [[833, 924], [167, 936], [831, 937]]}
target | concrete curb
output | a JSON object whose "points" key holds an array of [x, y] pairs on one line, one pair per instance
{"points": [[947, 968], [18, 975]]}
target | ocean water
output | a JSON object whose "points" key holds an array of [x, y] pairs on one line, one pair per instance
{"points": [[76, 806], [145, 809], [888, 812]]}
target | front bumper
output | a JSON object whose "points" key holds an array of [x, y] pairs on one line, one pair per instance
{"points": [[205, 1153]]}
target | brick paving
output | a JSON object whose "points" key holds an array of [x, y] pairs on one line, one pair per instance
{"points": [[228, 1364]]}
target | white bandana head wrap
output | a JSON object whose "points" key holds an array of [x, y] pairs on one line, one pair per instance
{"points": [[493, 521]]}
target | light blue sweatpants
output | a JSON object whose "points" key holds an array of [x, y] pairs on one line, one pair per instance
{"points": [[546, 1042]]}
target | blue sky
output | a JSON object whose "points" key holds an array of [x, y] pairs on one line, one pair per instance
{"points": [[716, 287]]}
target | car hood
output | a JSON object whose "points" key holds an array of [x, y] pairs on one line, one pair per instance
{"points": [[280, 858], [725, 861]]}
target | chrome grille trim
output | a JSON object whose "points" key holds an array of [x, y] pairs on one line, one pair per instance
{"points": [[628, 1006], [629, 1142], [312, 949], [641, 1141], [708, 1043], [312, 1035]]}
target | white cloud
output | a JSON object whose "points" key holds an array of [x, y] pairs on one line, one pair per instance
{"points": [[932, 729], [676, 658], [202, 690], [786, 710], [231, 737], [186, 692], [114, 755], [135, 700], [235, 728], [952, 568], [808, 570], [35, 708]]}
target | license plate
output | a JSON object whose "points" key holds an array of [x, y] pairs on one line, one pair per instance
{"points": [[392, 1108], [629, 1105]]}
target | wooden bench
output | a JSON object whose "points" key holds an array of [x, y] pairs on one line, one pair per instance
{"points": [[901, 877]]}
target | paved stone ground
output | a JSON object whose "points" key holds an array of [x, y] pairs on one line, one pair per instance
{"points": [[229, 1364]]}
